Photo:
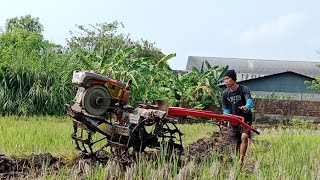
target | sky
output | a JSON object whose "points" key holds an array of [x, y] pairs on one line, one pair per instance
{"points": [[254, 29]]}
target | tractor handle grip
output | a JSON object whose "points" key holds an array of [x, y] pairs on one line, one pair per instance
{"points": [[255, 131]]}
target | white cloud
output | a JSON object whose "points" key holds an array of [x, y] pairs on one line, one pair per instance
{"points": [[270, 32]]}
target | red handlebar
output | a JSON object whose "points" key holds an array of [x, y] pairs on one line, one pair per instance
{"points": [[177, 111]]}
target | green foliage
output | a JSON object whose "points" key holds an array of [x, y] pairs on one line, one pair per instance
{"points": [[27, 23], [152, 78], [302, 123], [35, 78], [314, 84], [105, 38], [31, 78], [273, 95], [115, 55], [199, 88]]}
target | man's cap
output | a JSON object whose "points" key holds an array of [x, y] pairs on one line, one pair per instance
{"points": [[231, 74]]}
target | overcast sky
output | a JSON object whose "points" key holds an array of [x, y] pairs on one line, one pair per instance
{"points": [[262, 29]]}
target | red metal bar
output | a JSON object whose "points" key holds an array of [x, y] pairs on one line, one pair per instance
{"points": [[177, 111], [97, 82]]}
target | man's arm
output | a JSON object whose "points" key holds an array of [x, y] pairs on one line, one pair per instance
{"points": [[225, 107], [249, 104], [249, 101]]}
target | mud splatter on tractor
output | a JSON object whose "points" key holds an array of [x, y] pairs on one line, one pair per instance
{"points": [[101, 114]]}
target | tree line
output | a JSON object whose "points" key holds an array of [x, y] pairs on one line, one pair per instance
{"points": [[35, 74]]}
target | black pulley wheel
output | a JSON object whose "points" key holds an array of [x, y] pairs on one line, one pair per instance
{"points": [[96, 100]]}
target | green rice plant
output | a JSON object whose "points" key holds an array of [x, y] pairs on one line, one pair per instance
{"points": [[302, 123], [21, 135], [193, 132], [289, 154], [278, 153]]}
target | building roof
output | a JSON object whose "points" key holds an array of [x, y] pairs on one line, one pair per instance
{"points": [[175, 72], [254, 68], [271, 75], [277, 74]]}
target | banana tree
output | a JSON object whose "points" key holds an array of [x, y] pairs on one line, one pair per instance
{"points": [[149, 77], [199, 88]]}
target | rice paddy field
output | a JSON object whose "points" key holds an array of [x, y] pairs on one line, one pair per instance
{"points": [[278, 153]]}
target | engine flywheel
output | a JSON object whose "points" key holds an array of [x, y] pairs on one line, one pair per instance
{"points": [[96, 100]]}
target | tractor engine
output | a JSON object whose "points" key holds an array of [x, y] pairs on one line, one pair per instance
{"points": [[101, 107], [97, 94]]}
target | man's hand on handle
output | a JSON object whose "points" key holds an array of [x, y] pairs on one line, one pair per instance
{"points": [[244, 108]]}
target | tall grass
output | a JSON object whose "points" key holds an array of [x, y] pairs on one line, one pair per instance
{"points": [[41, 89]]}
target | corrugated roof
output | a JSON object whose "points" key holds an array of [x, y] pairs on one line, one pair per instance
{"points": [[179, 72], [254, 68]]}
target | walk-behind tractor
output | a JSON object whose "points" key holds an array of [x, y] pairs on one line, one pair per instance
{"points": [[103, 119]]}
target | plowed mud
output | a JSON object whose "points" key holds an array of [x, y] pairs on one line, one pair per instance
{"points": [[217, 143], [21, 167]]}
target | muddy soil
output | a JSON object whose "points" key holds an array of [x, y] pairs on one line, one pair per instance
{"points": [[203, 148], [32, 165]]}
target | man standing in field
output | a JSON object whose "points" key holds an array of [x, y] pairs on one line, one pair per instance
{"points": [[236, 100]]}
